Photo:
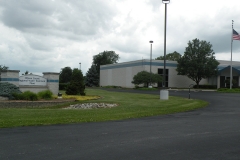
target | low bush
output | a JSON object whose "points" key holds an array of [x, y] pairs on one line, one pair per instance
{"points": [[112, 87], [206, 86], [147, 89], [136, 87], [222, 89], [227, 90], [45, 94], [18, 96], [27, 95]]}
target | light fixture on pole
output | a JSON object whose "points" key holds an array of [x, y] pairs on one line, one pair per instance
{"points": [[80, 66], [164, 93], [150, 84], [165, 1]]}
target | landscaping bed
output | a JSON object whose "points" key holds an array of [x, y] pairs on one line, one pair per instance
{"points": [[33, 104]]}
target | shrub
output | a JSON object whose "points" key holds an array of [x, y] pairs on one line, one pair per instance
{"points": [[72, 89], [147, 89], [18, 96], [206, 86], [136, 87], [222, 89], [45, 94], [27, 95], [112, 87], [8, 89], [234, 90]]}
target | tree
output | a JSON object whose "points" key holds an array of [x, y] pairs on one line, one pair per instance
{"points": [[106, 57], [145, 77], [26, 73], [170, 56], [65, 75], [198, 61], [92, 77], [76, 85], [3, 68]]}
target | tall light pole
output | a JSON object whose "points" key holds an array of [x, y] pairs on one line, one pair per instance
{"points": [[164, 93], [165, 33], [150, 84], [80, 66]]}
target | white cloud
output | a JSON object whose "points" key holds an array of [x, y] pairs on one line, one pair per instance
{"points": [[43, 35]]}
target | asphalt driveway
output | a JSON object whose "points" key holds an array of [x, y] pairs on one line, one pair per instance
{"points": [[209, 133]]}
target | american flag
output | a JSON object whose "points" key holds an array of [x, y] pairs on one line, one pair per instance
{"points": [[236, 36]]}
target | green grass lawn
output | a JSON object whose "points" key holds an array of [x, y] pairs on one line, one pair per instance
{"points": [[130, 106]]}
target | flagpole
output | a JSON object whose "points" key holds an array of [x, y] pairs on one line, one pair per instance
{"points": [[231, 58]]}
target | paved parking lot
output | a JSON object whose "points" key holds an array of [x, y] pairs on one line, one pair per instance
{"points": [[209, 133]]}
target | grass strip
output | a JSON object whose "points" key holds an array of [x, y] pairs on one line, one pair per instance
{"points": [[131, 105], [227, 90]]}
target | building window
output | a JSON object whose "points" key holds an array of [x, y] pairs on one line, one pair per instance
{"points": [[160, 71]]}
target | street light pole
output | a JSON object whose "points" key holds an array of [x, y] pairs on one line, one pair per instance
{"points": [[164, 93], [165, 33], [150, 85], [80, 66]]}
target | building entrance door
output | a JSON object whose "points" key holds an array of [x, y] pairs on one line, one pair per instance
{"points": [[222, 82]]}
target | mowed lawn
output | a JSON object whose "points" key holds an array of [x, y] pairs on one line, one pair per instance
{"points": [[130, 105]]}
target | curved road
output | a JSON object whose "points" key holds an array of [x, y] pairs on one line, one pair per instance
{"points": [[209, 133]]}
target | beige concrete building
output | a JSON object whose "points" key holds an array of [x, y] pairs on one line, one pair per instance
{"points": [[121, 74]]}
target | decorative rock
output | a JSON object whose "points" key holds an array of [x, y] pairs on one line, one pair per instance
{"points": [[91, 106]]}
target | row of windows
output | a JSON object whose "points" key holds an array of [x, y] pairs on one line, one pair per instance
{"points": [[225, 81]]}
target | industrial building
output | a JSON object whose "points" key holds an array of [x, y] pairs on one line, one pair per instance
{"points": [[121, 74]]}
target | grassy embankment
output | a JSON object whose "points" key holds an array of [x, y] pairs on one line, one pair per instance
{"points": [[130, 106]]}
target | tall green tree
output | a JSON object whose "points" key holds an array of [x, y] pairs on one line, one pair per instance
{"points": [[170, 56], [145, 78], [106, 57], [76, 85], [92, 77], [198, 61], [65, 75]]}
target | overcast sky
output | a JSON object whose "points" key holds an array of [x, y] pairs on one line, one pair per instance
{"points": [[47, 35]]}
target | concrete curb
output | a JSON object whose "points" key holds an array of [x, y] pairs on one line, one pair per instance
{"points": [[195, 90]]}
